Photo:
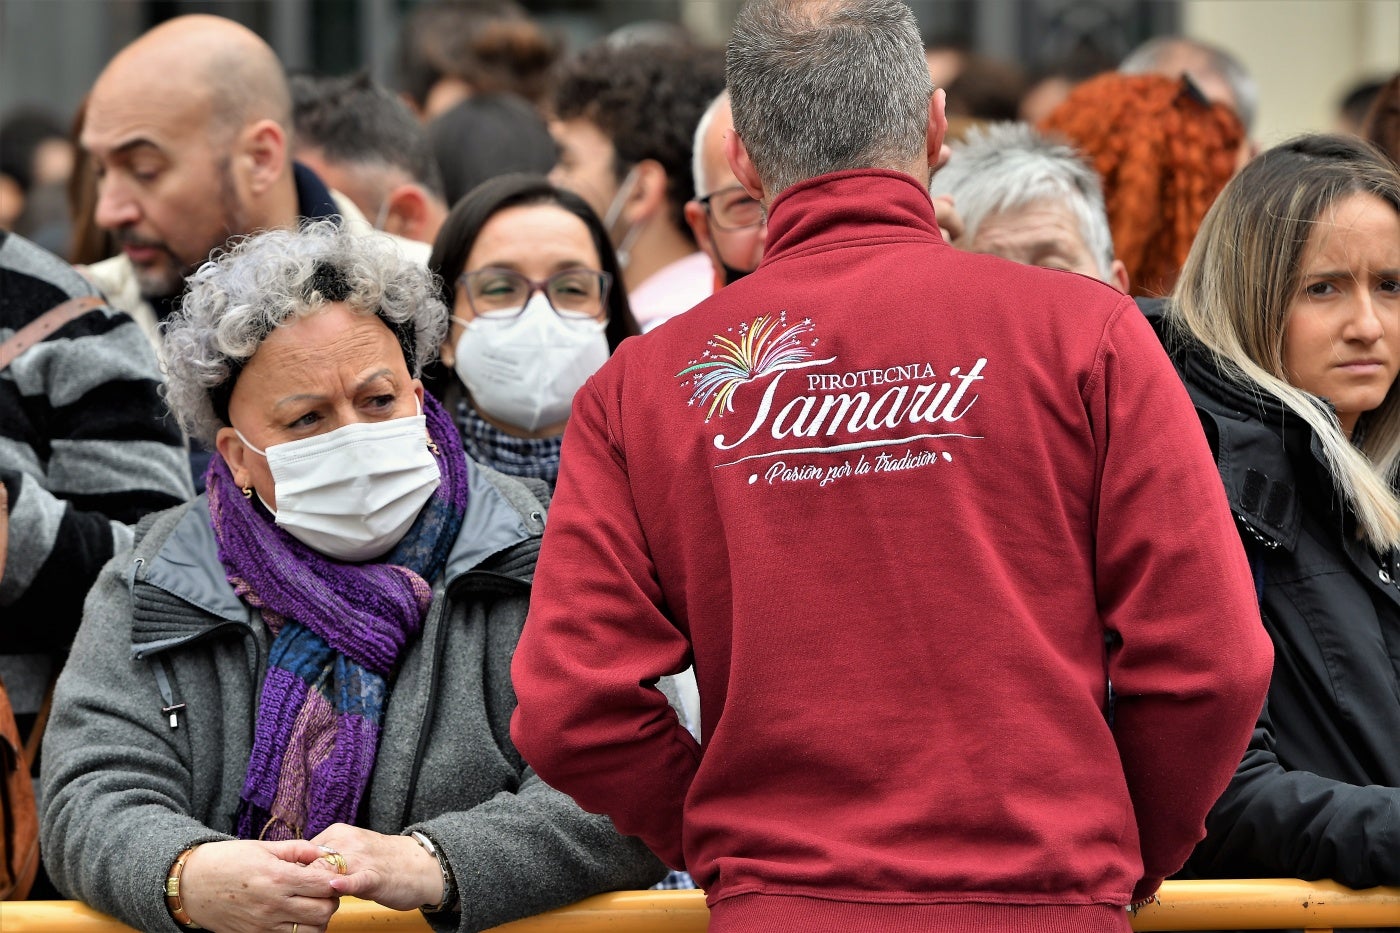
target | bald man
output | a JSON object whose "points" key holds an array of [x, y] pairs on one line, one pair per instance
{"points": [[727, 222], [188, 128]]}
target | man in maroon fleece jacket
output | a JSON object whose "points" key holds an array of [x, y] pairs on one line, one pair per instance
{"points": [[976, 642]]}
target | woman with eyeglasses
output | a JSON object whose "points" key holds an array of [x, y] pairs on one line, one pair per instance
{"points": [[537, 306]]}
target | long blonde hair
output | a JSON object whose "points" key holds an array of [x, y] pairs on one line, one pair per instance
{"points": [[1244, 270]]}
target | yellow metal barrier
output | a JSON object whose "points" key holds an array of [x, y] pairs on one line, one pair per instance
{"points": [[1267, 903], [1182, 905]]}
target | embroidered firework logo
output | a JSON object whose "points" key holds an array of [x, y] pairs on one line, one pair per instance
{"points": [[760, 348]]}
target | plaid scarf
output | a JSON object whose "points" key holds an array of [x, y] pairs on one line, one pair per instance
{"points": [[535, 457], [337, 632]]}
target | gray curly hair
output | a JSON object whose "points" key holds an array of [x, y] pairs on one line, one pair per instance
{"points": [[264, 281]]}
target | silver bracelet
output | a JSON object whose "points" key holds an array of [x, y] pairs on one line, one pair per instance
{"points": [[449, 885]]}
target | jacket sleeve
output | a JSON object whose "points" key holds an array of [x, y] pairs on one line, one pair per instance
{"points": [[116, 779], [590, 719], [529, 851], [90, 392], [1192, 660], [1273, 822], [528, 848]]}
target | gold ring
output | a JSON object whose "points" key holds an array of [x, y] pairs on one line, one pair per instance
{"points": [[295, 926], [338, 862]]}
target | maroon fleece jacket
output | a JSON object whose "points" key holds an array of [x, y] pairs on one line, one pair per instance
{"points": [[889, 497]]}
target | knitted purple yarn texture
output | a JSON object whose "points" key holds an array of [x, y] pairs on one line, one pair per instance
{"points": [[338, 630]]}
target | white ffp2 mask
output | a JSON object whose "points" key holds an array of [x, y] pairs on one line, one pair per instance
{"points": [[525, 370], [353, 494]]}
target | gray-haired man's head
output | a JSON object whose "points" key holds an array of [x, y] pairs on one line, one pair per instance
{"points": [[1030, 199], [818, 86], [363, 141], [1221, 76]]}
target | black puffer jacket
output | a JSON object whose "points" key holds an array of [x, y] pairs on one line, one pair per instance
{"points": [[1318, 792]]}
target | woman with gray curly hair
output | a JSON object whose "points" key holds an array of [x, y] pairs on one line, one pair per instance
{"points": [[297, 686]]}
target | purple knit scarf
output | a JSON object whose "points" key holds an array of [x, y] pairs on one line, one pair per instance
{"points": [[338, 629]]}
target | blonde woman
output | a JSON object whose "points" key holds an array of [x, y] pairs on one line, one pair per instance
{"points": [[1285, 325]]}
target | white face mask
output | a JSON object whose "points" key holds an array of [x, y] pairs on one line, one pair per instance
{"points": [[352, 494], [623, 249], [525, 370]]}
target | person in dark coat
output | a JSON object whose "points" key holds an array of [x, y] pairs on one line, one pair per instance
{"points": [[1286, 328]]}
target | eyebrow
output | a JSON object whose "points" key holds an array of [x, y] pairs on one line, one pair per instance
{"points": [[1329, 274], [125, 148], [563, 265], [365, 383]]}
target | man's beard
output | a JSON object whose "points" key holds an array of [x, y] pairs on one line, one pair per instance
{"points": [[162, 280], [731, 274], [167, 278]]}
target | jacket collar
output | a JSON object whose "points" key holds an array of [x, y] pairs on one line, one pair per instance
{"points": [[871, 203], [314, 200], [186, 566], [1253, 438], [1261, 447]]}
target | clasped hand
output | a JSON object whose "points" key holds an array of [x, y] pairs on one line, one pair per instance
{"points": [[246, 886]]}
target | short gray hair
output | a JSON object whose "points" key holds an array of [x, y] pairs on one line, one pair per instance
{"points": [[235, 300], [1148, 58], [819, 86], [1007, 166]]}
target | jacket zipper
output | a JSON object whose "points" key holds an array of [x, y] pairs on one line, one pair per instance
{"points": [[439, 647]]}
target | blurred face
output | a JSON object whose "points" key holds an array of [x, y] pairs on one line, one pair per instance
{"points": [[349, 180], [586, 162], [165, 186], [536, 241], [11, 202], [1341, 338], [1043, 233], [310, 377], [724, 229]]}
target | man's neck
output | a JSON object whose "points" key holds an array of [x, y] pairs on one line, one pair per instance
{"points": [[655, 248], [919, 171], [280, 209]]}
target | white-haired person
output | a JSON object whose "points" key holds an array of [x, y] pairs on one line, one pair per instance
{"points": [[1285, 325], [1031, 199], [297, 686]]}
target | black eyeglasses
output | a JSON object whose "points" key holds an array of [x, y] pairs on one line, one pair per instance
{"points": [[501, 294], [732, 208]]}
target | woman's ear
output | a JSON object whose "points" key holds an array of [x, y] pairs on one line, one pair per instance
{"points": [[235, 453]]}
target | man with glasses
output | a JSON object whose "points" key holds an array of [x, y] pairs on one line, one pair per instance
{"points": [[624, 112], [727, 221]]}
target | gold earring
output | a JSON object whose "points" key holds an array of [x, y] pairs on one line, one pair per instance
{"points": [[247, 492]]}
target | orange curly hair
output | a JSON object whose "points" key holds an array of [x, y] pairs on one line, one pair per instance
{"points": [[1163, 153]]}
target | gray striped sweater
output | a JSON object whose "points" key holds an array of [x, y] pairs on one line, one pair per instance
{"points": [[85, 450]]}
